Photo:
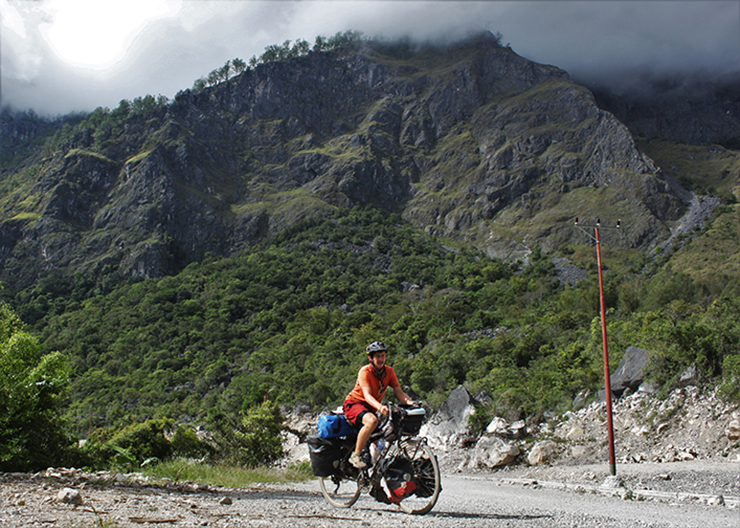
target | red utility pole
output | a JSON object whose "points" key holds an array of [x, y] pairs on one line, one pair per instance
{"points": [[607, 380]]}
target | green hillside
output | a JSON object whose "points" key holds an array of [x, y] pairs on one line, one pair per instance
{"points": [[289, 320], [247, 240]]}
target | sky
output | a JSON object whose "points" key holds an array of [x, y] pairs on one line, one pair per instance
{"points": [[62, 56]]}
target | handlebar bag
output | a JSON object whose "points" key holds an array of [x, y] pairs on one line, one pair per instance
{"points": [[413, 420]]}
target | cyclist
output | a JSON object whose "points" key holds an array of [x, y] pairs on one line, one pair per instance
{"points": [[366, 398]]}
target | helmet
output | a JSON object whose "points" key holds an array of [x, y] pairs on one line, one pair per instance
{"points": [[376, 346]]}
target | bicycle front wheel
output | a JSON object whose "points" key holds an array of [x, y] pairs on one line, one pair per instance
{"points": [[341, 493], [426, 477]]}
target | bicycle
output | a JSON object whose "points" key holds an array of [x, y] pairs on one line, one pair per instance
{"points": [[405, 473]]}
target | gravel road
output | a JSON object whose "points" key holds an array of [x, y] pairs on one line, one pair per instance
{"points": [[466, 501]]}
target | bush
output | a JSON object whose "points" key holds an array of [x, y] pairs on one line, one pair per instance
{"points": [[730, 388], [31, 386], [252, 440], [129, 447], [185, 443]]}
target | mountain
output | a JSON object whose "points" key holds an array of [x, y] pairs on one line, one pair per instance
{"points": [[697, 109], [469, 142]]}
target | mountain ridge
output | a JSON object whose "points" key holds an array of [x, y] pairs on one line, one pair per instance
{"points": [[470, 142]]}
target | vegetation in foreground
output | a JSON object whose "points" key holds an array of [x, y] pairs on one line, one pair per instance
{"points": [[227, 342]]}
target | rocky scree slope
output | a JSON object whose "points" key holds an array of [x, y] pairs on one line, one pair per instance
{"points": [[687, 443], [471, 142]]}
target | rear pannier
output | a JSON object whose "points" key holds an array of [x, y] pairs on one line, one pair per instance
{"points": [[325, 453]]}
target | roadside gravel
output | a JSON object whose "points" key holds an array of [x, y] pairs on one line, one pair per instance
{"points": [[551, 497]]}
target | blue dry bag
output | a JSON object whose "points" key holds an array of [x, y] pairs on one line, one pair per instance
{"points": [[335, 426]]}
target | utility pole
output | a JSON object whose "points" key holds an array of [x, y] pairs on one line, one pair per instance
{"points": [[607, 380]]}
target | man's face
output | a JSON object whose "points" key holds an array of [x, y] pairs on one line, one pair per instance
{"points": [[378, 359]]}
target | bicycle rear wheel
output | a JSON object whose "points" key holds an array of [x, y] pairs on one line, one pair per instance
{"points": [[426, 477], [341, 493]]}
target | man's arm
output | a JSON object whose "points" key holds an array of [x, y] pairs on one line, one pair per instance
{"points": [[370, 399], [402, 396]]}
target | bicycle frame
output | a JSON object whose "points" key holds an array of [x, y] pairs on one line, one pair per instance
{"points": [[416, 485]]}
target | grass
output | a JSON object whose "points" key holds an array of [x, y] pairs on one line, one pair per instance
{"points": [[227, 476], [703, 168]]}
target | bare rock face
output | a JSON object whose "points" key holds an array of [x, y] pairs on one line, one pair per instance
{"points": [[629, 373], [474, 143], [698, 109]]}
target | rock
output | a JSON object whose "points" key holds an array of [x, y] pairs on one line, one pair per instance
{"points": [[518, 428], [226, 501], [575, 432], [541, 452], [449, 427], [733, 430], [580, 400], [497, 426], [70, 496], [491, 452], [456, 406], [688, 377], [612, 483], [629, 373], [717, 500]]}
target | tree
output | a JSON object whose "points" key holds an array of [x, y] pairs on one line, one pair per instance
{"points": [[199, 85], [224, 71], [213, 78], [31, 386], [319, 43], [238, 65], [252, 439]]}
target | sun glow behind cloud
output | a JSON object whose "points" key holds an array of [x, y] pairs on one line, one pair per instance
{"points": [[74, 55], [96, 34]]}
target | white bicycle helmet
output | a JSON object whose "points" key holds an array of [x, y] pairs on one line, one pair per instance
{"points": [[376, 346]]}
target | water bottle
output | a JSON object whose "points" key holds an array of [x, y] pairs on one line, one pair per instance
{"points": [[380, 444]]}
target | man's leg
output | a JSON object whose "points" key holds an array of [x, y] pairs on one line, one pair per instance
{"points": [[369, 423]]}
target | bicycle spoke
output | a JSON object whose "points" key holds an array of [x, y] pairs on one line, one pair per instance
{"points": [[341, 493], [426, 482]]}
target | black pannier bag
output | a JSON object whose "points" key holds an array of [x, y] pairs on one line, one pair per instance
{"points": [[325, 453], [413, 421]]}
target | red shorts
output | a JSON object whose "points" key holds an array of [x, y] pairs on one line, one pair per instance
{"points": [[354, 411]]}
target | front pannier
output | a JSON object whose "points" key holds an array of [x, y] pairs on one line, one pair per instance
{"points": [[325, 453], [413, 421]]}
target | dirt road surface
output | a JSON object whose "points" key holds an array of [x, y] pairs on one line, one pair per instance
{"points": [[513, 501]]}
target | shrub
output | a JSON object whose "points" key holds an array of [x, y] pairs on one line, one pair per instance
{"points": [[252, 440], [185, 443], [730, 388], [31, 386], [130, 446]]}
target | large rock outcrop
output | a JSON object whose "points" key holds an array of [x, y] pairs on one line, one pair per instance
{"points": [[470, 141]]}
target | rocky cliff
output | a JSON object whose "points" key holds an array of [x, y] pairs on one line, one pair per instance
{"points": [[698, 109], [470, 142]]}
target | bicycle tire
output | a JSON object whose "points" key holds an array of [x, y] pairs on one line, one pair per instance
{"points": [[345, 494], [426, 476]]}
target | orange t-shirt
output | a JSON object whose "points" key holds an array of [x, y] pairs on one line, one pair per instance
{"points": [[377, 386]]}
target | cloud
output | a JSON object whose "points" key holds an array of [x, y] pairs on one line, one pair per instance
{"points": [[171, 43]]}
